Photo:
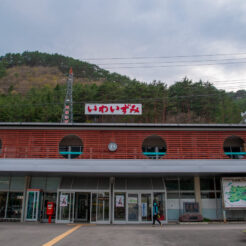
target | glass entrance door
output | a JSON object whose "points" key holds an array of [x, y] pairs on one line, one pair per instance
{"points": [[146, 207], [82, 204], [133, 211], [100, 207], [32, 208], [65, 211], [159, 197]]}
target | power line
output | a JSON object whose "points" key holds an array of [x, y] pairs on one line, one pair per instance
{"points": [[164, 62], [165, 57], [180, 65]]}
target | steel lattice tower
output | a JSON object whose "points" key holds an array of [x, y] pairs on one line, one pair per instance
{"points": [[67, 116]]}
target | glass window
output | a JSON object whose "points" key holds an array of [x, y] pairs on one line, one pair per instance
{"points": [[38, 183], [4, 183], [234, 147], [207, 183], [17, 183], [71, 147], [0, 146], [172, 184], [154, 147], [208, 195], [103, 183], [139, 183], [218, 183], [187, 195], [173, 195], [187, 183], [158, 184], [52, 183], [14, 205], [120, 184], [3, 198], [218, 194]]}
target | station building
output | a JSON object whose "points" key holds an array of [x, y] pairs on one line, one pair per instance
{"points": [[111, 173]]}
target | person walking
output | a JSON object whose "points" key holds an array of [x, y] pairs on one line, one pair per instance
{"points": [[155, 213]]}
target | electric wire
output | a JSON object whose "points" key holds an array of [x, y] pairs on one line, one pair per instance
{"points": [[177, 65], [164, 57], [164, 62]]}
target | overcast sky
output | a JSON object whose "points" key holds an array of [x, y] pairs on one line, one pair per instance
{"points": [[85, 29]]}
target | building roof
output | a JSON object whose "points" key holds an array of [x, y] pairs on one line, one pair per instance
{"points": [[19, 125], [121, 167]]}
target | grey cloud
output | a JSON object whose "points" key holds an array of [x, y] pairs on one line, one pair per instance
{"points": [[127, 28]]}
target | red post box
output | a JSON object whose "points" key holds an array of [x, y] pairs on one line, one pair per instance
{"points": [[50, 210]]}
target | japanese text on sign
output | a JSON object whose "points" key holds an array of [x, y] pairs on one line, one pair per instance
{"points": [[113, 109]]}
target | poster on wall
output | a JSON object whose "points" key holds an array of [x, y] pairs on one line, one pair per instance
{"points": [[63, 200], [119, 201], [234, 193]]}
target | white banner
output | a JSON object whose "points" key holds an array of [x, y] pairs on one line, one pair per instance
{"points": [[234, 192], [113, 109]]}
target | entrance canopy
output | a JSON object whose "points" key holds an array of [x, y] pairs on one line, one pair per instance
{"points": [[120, 167]]}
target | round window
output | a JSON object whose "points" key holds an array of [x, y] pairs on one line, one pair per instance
{"points": [[154, 147], [234, 147], [71, 147]]}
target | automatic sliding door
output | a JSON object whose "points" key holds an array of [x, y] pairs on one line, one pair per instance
{"points": [[100, 207], [120, 206], [159, 197], [133, 210], [32, 208], [65, 207], [81, 206], [146, 208]]}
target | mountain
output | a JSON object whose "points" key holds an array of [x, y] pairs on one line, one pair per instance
{"points": [[32, 88]]}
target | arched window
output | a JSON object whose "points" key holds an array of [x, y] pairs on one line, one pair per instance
{"points": [[234, 147], [71, 147], [154, 147]]}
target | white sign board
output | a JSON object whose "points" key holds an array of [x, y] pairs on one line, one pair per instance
{"points": [[234, 193], [113, 109], [63, 200]]}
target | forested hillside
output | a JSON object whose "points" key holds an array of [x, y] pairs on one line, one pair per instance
{"points": [[32, 89]]}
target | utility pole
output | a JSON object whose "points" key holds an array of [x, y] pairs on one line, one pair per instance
{"points": [[67, 116]]}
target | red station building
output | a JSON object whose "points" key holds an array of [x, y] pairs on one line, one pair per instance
{"points": [[112, 173]]}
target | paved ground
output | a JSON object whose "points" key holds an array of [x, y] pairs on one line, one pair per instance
{"points": [[13, 234]]}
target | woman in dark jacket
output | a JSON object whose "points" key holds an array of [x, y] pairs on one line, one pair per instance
{"points": [[155, 213]]}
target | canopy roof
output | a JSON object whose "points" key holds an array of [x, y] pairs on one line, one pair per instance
{"points": [[121, 167]]}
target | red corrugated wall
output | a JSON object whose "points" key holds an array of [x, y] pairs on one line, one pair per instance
{"points": [[186, 144]]}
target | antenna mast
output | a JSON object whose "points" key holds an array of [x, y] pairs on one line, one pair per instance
{"points": [[67, 116]]}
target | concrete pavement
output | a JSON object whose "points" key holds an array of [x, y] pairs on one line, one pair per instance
{"points": [[32, 234]]}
